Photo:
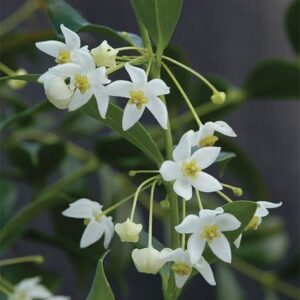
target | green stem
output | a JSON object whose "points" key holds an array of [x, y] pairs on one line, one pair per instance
{"points": [[38, 259], [183, 216], [4, 290], [199, 199], [6, 284], [151, 214], [225, 197], [138, 60], [5, 69]]}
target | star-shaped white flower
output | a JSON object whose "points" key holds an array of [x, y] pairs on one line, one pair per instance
{"points": [[183, 266], [187, 169], [205, 135], [63, 52], [96, 223], [261, 211], [128, 231], [86, 80], [105, 55], [141, 94], [208, 228], [31, 288]]}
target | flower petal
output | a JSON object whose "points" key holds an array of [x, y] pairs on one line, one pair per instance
{"points": [[262, 209], [91, 234], [78, 99], [183, 188], [206, 183], [170, 170], [237, 241], [190, 224], [159, 111], [205, 270], [137, 75], [86, 61], [108, 231], [221, 248], [50, 47], [206, 156], [181, 280], [120, 88], [66, 70], [195, 247], [182, 151], [80, 211], [131, 115], [227, 222], [39, 292], [157, 87], [102, 100], [224, 128], [98, 77], [72, 39]]}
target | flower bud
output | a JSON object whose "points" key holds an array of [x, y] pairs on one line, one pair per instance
{"points": [[17, 84], [147, 260], [128, 231], [218, 98], [105, 55]]}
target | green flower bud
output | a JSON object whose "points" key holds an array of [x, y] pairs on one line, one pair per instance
{"points": [[218, 98]]}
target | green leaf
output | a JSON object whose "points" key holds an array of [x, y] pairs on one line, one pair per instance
{"points": [[292, 24], [8, 200], [225, 156], [159, 17], [61, 12], [100, 288], [274, 79]]}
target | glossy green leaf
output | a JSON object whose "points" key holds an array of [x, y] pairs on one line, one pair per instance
{"points": [[159, 17], [100, 288], [292, 25], [274, 79]]}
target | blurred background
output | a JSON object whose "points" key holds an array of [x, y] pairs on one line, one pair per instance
{"points": [[224, 38]]}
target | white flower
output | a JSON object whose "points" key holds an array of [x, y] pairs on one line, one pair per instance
{"points": [[128, 231], [141, 94], [187, 169], [147, 260], [105, 55], [261, 211], [208, 228], [63, 52], [86, 80], [205, 135], [30, 288], [183, 266], [97, 223]]}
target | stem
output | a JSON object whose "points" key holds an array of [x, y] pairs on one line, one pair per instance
{"points": [[151, 213], [199, 199], [130, 48], [6, 284], [24, 259], [184, 95], [5, 69], [135, 172], [183, 216], [138, 60], [225, 197], [4, 290]]}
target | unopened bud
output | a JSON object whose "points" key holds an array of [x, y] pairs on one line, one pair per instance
{"points": [[17, 84], [165, 204], [238, 192], [218, 98]]}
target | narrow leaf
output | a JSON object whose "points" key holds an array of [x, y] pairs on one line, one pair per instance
{"points": [[292, 25]]}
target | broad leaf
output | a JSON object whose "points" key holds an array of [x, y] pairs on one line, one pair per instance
{"points": [[159, 17], [100, 288], [292, 25], [274, 79]]}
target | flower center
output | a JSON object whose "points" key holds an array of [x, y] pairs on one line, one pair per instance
{"points": [[254, 223], [190, 169], [82, 83], [21, 295], [208, 141], [210, 232], [64, 56], [138, 98], [181, 269]]}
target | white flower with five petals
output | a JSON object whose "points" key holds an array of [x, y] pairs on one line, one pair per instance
{"points": [[187, 169], [105, 55], [141, 94], [208, 228], [182, 266], [97, 224]]}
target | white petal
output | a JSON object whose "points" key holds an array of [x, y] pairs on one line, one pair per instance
{"points": [[170, 170], [120, 88], [181, 280], [28, 283], [168, 254], [59, 298], [205, 270], [266, 204], [183, 188], [206, 156], [207, 216], [80, 211], [102, 100], [182, 151], [224, 128], [131, 115], [206, 130], [206, 183], [190, 224], [78, 99], [93, 205], [91, 234], [72, 39], [157, 87], [158, 110], [137, 75], [227, 222], [86, 61], [261, 211], [221, 248], [50, 47], [98, 76], [238, 240], [109, 231], [40, 292], [195, 246], [188, 135], [66, 70]]}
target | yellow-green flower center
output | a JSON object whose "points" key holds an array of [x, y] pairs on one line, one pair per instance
{"points": [[191, 168], [181, 269], [254, 223], [138, 98], [208, 141], [82, 83], [210, 232], [64, 56]]}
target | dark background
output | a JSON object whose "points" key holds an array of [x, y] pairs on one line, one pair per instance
{"points": [[226, 38]]}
